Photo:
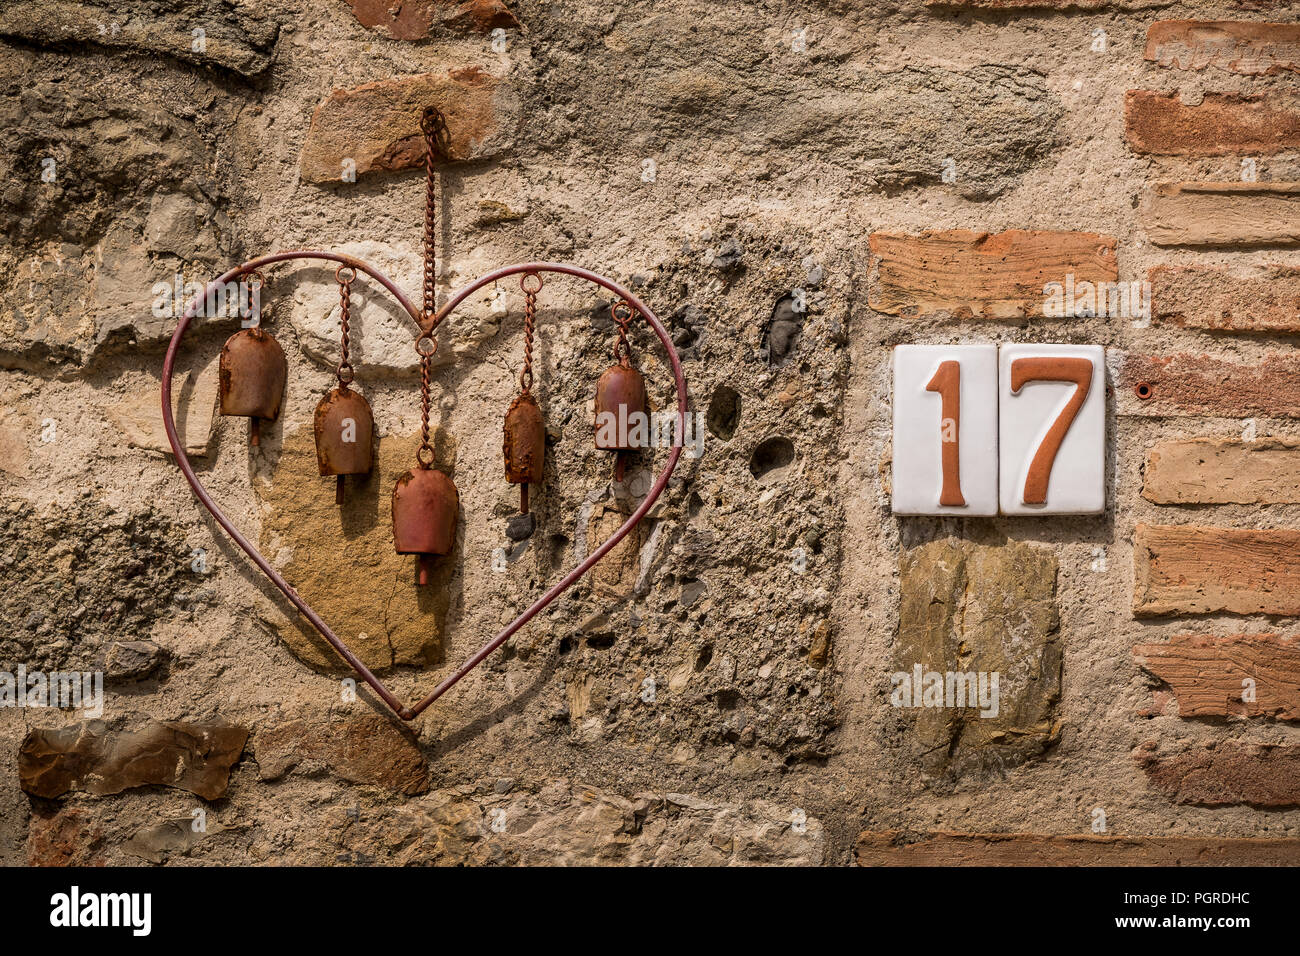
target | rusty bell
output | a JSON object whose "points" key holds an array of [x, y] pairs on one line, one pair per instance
{"points": [[425, 508], [345, 429], [524, 446], [620, 392], [253, 373]]}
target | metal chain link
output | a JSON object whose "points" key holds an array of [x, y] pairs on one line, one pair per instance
{"points": [[622, 313], [530, 324], [434, 127], [425, 453], [345, 276], [255, 296]]}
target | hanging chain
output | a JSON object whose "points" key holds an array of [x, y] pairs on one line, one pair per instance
{"points": [[425, 454], [622, 312], [345, 276], [254, 282], [530, 324], [426, 345], [434, 127]]}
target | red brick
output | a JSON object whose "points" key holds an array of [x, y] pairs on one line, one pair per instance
{"points": [[1235, 46], [1226, 775], [1197, 214], [1205, 674], [1185, 569], [897, 848], [1222, 124], [1200, 385], [377, 125], [412, 19], [966, 274], [1217, 471], [1202, 298]]}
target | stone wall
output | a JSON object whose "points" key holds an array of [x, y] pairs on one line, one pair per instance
{"points": [[794, 188]]}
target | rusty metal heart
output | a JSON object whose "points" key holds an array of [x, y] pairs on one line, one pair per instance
{"points": [[426, 325]]}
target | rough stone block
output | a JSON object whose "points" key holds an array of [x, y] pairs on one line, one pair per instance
{"points": [[341, 560], [977, 608], [95, 758]]}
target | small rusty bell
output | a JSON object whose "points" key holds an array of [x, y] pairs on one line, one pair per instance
{"points": [[345, 429], [252, 377], [425, 501], [344, 424], [525, 446], [620, 397], [620, 392], [426, 506]]}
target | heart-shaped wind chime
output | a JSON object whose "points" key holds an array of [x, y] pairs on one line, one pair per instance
{"points": [[426, 503]]}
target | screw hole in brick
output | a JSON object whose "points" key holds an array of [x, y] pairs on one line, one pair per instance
{"points": [[1144, 390]]}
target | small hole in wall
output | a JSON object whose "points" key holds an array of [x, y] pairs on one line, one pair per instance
{"points": [[559, 547], [724, 412], [782, 330], [1144, 390], [771, 455]]}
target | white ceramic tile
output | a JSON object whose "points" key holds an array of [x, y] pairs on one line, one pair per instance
{"points": [[1031, 420], [920, 427]]}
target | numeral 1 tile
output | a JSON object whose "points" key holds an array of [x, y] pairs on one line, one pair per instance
{"points": [[945, 430]]}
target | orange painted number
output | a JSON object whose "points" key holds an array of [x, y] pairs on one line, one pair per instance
{"points": [[947, 382], [1077, 371]]}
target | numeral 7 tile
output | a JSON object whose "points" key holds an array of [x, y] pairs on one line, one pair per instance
{"points": [[945, 430], [1052, 429]]}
